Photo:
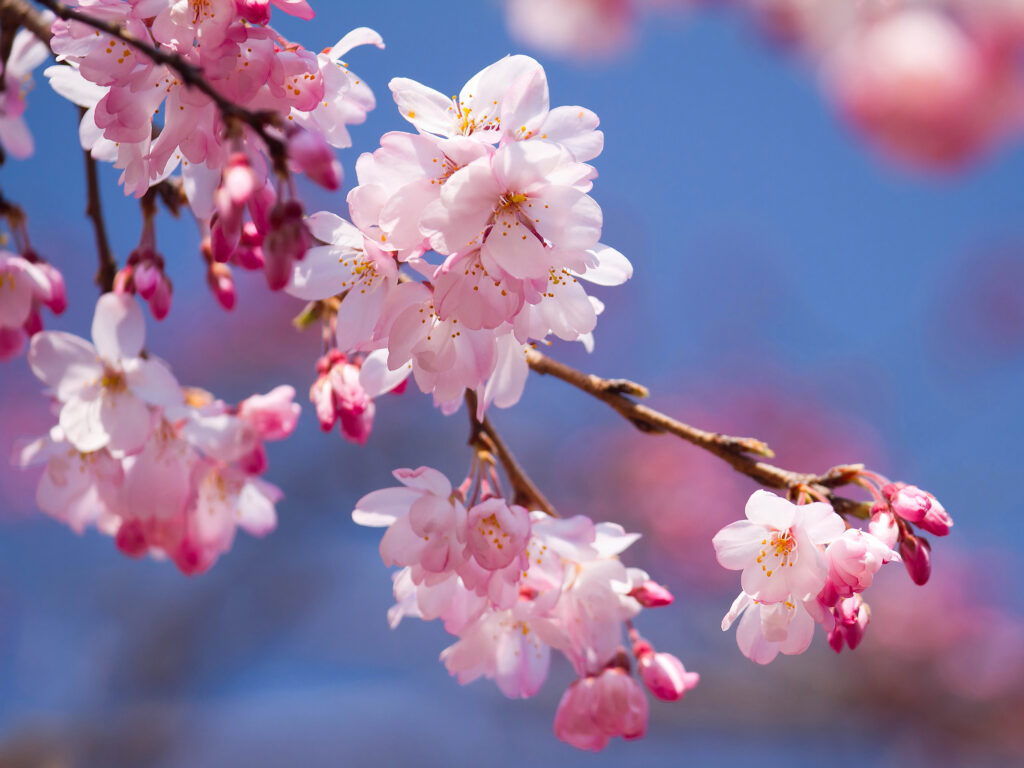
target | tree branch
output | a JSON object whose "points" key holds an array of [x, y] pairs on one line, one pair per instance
{"points": [[94, 210], [483, 436], [733, 450], [18, 13]]}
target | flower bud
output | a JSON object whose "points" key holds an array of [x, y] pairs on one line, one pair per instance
{"points": [[160, 300], [286, 242], [851, 619], [883, 525], [130, 539], [919, 507], [651, 594], [916, 553], [218, 277], [315, 158], [665, 676], [598, 707], [58, 299]]}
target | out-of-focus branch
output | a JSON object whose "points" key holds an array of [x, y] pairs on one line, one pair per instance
{"points": [[191, 75], [94, 210], [736, 451], [483, 436], [19, 13]]}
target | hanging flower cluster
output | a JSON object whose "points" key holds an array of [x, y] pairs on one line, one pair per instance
{"points": [[802, 565], [469, 239], [165, 471], [149, 120], [512, 584]]}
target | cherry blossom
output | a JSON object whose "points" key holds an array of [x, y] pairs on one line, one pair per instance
{"points": [[26, 285], [779, 547], [26, 53], [598, 708], [106, 391]]}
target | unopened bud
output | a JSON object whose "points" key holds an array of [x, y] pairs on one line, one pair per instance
{"points": [[651, 594], [917, 557], [315, 158]]}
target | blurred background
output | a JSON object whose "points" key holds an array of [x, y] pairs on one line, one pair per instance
{"points": [[790, 285]]}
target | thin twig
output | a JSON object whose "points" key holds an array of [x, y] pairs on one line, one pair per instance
{"points": [[107, 270], [733, 450], [483, 436], [191, 75]]}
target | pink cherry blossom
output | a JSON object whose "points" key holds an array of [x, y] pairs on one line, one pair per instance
{"points": [[851, 619], [26, 53], [779, 547], [767, 629], [26, 285], [106, 391], [598, 708], [853, 560], [425, 523]]}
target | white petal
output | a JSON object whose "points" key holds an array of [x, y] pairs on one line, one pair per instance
{"points": [[118, 327]]}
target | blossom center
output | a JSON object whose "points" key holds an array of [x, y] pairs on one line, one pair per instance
{"points": [[779, 550]]}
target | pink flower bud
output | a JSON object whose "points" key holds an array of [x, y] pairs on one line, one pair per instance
{"points": [[883, 525], [352, 405], [651, 594], [596, 708], [322, 396], [916, 553], [620, 708], [261, 204], [255, 462], [223, 241], [238, 181], [665, 676], [249, 253], [286, 242], [160, 301], [146, 278], [851, 620], [853, 560], [918, 507], [315, 158], [130, 539], [58, 298], [218, 277]]}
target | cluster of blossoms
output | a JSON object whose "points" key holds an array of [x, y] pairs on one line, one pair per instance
{"points": [[228, 167], [495, 186], [512, 584], [165, 471], [801, 565], [931, 83]]}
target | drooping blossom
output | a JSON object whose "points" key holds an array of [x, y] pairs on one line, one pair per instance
{"points": [[27, 52], [512, 585], [26, 285], [107, 389], [469, 240], [597, 708]]}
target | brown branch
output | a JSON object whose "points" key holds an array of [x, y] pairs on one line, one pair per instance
{"points": [[18, 13], [736, 451], [483, 436], [94, 210], [191, 75]]}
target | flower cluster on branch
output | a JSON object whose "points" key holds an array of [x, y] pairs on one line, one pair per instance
{"points": [[467, 244]]}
